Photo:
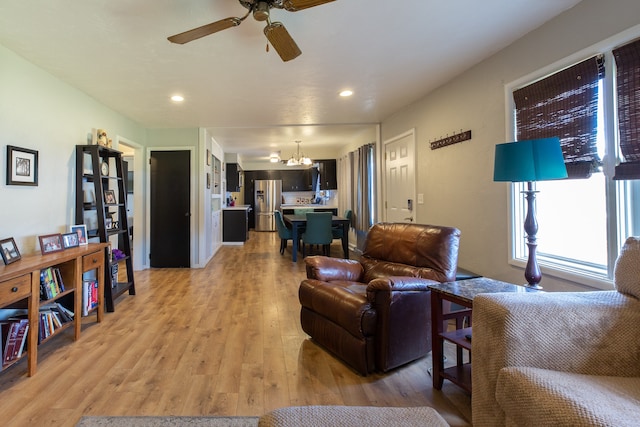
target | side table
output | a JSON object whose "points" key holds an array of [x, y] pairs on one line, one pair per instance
{"points": [[462, 293]]}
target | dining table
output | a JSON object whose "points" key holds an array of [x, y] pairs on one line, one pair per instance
{"points": [[298, 224]]}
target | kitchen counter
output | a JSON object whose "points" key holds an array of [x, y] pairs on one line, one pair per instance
{"points": [[288, 209], [310, 205], [237, 208]]}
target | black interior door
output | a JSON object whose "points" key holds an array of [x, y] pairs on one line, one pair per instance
{"points": [[170, 216]]}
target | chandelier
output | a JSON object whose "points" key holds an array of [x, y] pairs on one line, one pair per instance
{"points": [[299, 160]]}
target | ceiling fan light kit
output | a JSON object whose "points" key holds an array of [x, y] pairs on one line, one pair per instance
{"points": [[275, 32]]}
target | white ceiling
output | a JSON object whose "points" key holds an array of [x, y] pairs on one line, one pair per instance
{"points": [[390, 53]]}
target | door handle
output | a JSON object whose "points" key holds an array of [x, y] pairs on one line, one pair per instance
{"points": [[187, 214], [410, 219]]}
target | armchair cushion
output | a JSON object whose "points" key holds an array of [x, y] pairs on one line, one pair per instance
{"points": [[587, 333], [534, 396]]}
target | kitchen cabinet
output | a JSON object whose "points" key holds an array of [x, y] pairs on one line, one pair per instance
{"points": [[234, 177], [328, 171], [297, 179], [235, 225]]}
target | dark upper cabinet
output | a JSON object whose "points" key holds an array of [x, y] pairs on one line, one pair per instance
{"points": [[297, 179], [328, 174], [234, 179]]}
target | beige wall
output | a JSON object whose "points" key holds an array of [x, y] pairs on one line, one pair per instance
{"points": [[457, 180]]}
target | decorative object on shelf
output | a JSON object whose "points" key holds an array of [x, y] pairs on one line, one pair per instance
{"points": [[81, 231], [104, 168], [9, 250], [70, 240], [50, 243], [100, 138], [529, 161], [22, 166], [117, 254], [450, 140], [299, 160], [110, 197]]}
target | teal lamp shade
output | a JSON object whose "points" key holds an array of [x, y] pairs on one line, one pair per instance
{"points": [[529, 160]]}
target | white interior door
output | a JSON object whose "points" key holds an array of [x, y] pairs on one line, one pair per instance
{"points": [[400, 182]]}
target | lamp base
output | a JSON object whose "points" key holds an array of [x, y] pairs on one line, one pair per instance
{"points": [[532, 272]]}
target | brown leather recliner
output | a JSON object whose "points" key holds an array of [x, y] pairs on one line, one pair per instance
{"points": [[375, 314]]}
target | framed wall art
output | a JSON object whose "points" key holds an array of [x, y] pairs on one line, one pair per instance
{"points": [[9, 250], [22, 166]]}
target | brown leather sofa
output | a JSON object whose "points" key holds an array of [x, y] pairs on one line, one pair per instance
{"points": [[375, 313]]}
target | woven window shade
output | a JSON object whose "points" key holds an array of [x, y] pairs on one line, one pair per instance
{"points": [[565, 105], [628, 91]]}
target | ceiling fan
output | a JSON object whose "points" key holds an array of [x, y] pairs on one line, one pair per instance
{"points": [[275, 32]]}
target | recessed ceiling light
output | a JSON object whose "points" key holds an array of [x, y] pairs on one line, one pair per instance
{"points": [[346, 93], [177, 98]]}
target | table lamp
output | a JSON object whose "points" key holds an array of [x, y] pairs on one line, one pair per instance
{"points": [[529, 161]]}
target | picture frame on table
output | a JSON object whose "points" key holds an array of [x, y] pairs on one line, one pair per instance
{"points": [[50, 243], [70, 240], [81, 231], [22, 166], [9, 251], [110, 197]]}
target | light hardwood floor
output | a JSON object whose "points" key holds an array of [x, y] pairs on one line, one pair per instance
{"points": [[222, 340]]}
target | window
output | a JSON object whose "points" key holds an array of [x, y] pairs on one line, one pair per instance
{"points": [[582, 220]]}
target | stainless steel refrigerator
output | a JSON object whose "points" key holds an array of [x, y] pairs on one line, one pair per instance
{"points": [[268, 196]]}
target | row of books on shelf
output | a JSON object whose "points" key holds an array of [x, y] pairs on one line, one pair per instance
{"points": [[51, 283], [52, 317], [14, 339], [89, 296]]}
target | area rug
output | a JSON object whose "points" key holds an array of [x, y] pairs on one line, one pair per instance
{"points": [[90, 421]]}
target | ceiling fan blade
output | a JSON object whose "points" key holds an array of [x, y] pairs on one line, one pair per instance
{"points": [[205, 30], [281, 41], [295, 5]]}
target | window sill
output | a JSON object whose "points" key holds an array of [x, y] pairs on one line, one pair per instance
{"points": [[579, 277]]}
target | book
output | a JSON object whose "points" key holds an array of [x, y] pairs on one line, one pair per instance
{"points": [[59, 282], [16, 338]]}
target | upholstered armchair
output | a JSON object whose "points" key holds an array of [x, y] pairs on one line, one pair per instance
{"points": [[560, 358], [374, 314]]}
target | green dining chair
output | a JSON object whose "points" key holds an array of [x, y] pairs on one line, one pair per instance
{"points": [[302, 211], [318, 231], [284, 233], [337, 230]]}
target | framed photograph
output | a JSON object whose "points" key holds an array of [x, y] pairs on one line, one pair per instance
{"points": [[108, 223], [70, 240], [110, 197], [22, 166], [9, 250], [51, 243], [81, 231]]}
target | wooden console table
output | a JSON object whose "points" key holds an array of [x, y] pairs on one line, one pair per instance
{"points": [[462, 293], [20, 289]]}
